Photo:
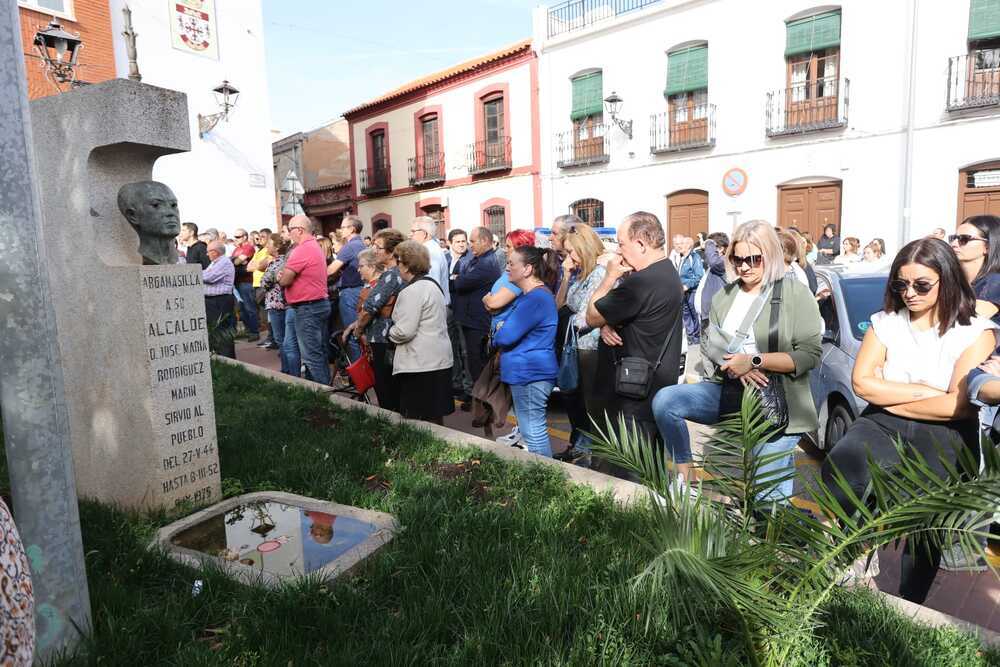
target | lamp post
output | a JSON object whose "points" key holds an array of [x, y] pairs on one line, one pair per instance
{"points": [[613, 105], [58, 51], [225, 97]]}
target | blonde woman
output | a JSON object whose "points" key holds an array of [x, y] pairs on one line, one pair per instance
{"points": [[581, 275], [732, 353], [850, 252]]}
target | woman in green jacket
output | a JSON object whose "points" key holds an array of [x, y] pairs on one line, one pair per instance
{"points": [[757, 258]]}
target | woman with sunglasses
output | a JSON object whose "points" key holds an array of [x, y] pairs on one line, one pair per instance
{"points": [[911, 369], [758, 259], [977, 245]]}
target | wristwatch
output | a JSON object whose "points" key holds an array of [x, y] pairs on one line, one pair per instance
{"points": [[756, 361]]}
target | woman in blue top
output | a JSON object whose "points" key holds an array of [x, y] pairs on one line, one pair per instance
{"points": [[526, 339]]}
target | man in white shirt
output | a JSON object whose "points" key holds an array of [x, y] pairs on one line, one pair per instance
{"points": [[423, 230]]}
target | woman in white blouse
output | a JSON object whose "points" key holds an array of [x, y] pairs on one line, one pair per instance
{"points": [[910, 369]]}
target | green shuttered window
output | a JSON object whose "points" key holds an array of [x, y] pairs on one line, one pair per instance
{"points": [[984, 19], [813, 33], [588, 95], [687, 70]]}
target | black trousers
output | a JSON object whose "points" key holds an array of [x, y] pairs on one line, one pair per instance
{"points": [[386, 388], [874, 435], [475, 351], [219, 311]]}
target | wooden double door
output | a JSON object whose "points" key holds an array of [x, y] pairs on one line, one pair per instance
{"points": [[810, 208], [687, 214], [981, 200]]}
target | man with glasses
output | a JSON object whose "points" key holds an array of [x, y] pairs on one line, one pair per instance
{"points": [[241, 257], [218, 278], [304, 280], [424, 231], [350, 282]]}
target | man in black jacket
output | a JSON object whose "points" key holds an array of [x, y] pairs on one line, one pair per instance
{"points": [[473, 280], [197, 251]]}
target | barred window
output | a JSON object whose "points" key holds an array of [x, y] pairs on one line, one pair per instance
{"points": [[495, 219], [591, 211]]}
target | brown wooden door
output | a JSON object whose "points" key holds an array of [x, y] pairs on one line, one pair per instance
{"points": [[588, 138], [981, 203], [688, 114], [983, 73], [812, 91], [810, 208], [984, 200], [687, 213]]}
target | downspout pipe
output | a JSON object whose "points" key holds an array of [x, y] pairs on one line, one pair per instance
{"points": [[906, 211]]}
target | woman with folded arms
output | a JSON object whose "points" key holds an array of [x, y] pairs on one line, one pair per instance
{"points": [[422, 361], [911, 369], [526, 338]]}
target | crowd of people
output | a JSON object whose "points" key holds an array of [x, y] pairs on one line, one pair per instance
{"points": [[498, 324]]}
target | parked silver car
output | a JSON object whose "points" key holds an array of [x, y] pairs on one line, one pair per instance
{"points": [[849, 297]]}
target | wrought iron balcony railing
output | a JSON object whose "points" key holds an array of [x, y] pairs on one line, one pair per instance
{"points": [[585, 145], [682, 128], [974, 80], [426, 169], [487, 156], [811, 106], [579, 14], [375, 180]]}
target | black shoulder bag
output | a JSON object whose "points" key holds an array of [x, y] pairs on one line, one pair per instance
{"points": [[772, 396], [634, 375]]}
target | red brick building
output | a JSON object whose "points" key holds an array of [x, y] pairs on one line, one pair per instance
{"points": [[91, 19]]}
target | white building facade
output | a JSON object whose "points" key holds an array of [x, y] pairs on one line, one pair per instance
{"points": [[870, 116], [226, 180], [461, 146]]}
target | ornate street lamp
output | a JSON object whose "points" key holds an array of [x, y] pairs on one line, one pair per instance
{"points": [[613, 105], [225, 96], [58, 51]]}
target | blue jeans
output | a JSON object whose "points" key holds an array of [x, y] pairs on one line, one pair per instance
{"points": [[348, 314], [311, 330], [276, 323], [291, 358], [530, 401], [699, 403], [248, 308]]}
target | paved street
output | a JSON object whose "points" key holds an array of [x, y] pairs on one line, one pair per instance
{"points": [[973, 597]]}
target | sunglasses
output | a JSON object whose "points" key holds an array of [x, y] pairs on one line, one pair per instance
{"points": [[919, 286], [963, 239], [753, 261]]}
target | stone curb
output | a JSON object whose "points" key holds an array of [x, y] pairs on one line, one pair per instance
{"points": [[624, 492]]}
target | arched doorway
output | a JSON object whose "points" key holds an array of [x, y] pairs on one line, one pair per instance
{"points": [[979, 190], [687, 213]]}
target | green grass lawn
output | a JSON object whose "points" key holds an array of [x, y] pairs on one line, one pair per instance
{"points": [[495, 564]]}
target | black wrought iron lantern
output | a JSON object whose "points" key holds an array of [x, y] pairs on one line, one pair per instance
{"points": [[59, 51]]}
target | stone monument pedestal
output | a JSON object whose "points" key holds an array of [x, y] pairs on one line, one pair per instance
{"points": [[133, 338]]}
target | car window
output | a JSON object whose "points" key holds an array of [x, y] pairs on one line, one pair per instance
{"points": [[862, 297], [827, 307]]}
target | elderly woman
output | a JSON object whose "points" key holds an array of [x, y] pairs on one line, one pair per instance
{"points": [[737, 348], [375, 318], [370, 269], [422, 361], [274, 301]]}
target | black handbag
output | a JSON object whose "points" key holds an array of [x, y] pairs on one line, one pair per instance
{"points": [[634, 375], [772, 396]]}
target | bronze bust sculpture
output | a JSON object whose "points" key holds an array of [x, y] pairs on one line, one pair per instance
{"points": [[151, 208]]}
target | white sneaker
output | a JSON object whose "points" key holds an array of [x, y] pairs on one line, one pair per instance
{"points": [[512, 439]]}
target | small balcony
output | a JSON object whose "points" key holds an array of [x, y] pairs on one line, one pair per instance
{"points": [[974, 80], [487, 156], [375, 180], [427, 169], [811, 106], [579, 14], [586, 145], [682, 129]]}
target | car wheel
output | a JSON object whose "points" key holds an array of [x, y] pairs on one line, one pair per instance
{"points": [[837, 424]]}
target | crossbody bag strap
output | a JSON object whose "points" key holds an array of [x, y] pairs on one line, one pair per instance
{"points": [[736, 344], [772, 333]]}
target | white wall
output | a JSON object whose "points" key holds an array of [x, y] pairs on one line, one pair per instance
{"points": [[213, 181], [746, 60]]}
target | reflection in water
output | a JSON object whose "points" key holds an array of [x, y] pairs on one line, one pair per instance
{"points": [[275, 538]]}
